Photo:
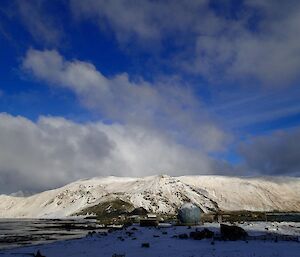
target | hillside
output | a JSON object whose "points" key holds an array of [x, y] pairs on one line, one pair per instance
{"points": [[159, 194]]}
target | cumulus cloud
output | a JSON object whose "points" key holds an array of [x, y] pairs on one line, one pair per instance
{"points": [[275, 154], [53, 151], [154, 128], [166, 106], [260, 41]]}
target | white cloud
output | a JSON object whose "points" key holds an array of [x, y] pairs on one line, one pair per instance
{"points": [[268, 54], [156, 128], [34, 15], [53, 151], [165, 106], [143, 20], [261, 42]]}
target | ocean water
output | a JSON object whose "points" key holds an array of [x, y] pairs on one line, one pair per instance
{"points": [[20, 232], [288, 217]]}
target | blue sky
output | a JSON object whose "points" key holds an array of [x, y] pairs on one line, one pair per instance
{"points": [[214, 85]]}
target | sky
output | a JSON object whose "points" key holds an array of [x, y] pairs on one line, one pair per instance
{"points": [[136, 88]]}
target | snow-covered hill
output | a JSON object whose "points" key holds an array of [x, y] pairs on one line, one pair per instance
{"points": [[161, 194]]}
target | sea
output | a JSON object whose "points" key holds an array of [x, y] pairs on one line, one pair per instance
{"points": [[21, 232]]}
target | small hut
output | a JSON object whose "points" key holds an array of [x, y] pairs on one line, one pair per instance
{"points": [[189, 214], [150, 221]]}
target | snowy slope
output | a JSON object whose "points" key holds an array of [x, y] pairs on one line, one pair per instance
{"points": [[254, 194], [163, 194]]}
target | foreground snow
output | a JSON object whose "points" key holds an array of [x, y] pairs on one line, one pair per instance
{"points": [[162, 243], [160, 194]]}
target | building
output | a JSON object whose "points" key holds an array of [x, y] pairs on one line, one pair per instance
{"points": [[189, 214], [150, 221]]}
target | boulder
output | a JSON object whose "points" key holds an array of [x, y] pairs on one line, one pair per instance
{"points": [[232, 232], [38, 254], [205, 233], [145, 245], [183, 236]]}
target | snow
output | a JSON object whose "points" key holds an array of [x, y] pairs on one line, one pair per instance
{"points": [[162, 243], [159, 194]]}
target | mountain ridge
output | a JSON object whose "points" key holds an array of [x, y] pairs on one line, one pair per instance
{"points": [[159, 194]]}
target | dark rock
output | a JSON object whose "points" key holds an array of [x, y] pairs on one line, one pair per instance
{"points": [[183, 236], [38, 254], [205, 233], [121, 238], [91, 233], [128, 233], [232, 232], [145, 245]]}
